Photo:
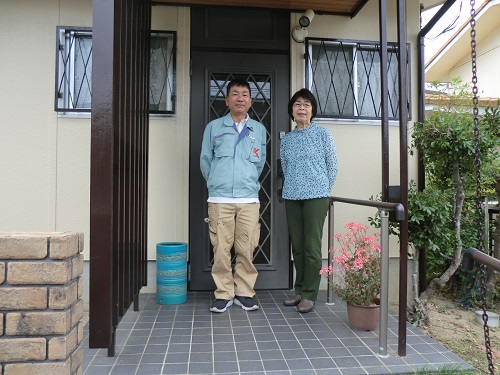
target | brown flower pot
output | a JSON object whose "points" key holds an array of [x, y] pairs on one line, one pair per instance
{"points": [[363, 318]]}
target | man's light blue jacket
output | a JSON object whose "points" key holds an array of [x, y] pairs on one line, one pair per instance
{"points": [[232, 162]]}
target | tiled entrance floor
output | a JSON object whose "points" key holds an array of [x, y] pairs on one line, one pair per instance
{"points": [[189, 339]]}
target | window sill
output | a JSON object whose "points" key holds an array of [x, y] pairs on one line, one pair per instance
{"points": [[87, 115], [341, 121], [83, 115]]}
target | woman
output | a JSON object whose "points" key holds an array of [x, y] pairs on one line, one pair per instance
{"points": [[309, 163]]}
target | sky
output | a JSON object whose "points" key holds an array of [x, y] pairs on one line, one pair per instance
{"points": [[446, 27]]}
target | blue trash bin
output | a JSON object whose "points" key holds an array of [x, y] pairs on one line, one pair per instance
{"points": [[171, 273]]}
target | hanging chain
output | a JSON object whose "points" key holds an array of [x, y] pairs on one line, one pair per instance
{"points": [[479, 193]]}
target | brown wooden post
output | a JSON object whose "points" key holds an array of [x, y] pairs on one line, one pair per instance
{"points": [[102, 176], [119, 147]]}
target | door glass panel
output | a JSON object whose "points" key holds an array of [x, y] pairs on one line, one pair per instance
{"points": [[260, 85]]}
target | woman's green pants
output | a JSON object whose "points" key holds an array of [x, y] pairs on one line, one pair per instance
{"points": [[306, 219]]}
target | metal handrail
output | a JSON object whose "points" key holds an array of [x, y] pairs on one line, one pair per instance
{"points": [[384, 208], [472, 254]]}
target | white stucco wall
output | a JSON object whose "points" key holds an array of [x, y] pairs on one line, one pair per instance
{"points": [[168, 196], [45, 158], [359, 143], [45, 163]]}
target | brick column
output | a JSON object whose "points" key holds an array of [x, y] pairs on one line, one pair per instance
{"points": [[41, 306]]}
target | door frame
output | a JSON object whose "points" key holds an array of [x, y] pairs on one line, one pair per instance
{"points": [[227, 52]]}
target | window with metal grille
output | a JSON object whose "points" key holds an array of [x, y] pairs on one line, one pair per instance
{"points": [[345, 78], [74, 71]]}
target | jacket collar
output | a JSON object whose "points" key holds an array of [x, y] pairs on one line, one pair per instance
{"points": [[228, 121]]}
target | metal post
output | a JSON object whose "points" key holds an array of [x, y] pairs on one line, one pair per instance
{"points": [[384, 98], [330, 246], [384, 281], [403, 173]]}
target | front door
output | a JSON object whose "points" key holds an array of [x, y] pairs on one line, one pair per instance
{"points": [[268, 76]]}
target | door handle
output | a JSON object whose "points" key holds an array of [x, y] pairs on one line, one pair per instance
{"points": [[280, 180]]}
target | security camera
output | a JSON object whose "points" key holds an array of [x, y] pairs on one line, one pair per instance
{"points": [[299, 33], [306, 18]]}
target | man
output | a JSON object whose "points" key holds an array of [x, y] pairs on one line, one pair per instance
{"points": [[233, 154]]}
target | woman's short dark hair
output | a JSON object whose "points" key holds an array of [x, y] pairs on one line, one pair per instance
{"points": [[306, 95]]}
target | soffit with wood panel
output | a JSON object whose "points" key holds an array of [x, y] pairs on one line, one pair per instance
{"points": [[341, 7], [458, 46]]}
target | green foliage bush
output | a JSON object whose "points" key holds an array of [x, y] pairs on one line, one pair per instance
{"points": [[446, 142], [430, 228]]}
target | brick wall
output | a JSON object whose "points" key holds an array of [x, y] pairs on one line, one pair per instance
{"points": [[41, 306]]}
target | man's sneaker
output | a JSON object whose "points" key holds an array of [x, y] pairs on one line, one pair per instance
{"points": [[220, 305], [246, 303]]}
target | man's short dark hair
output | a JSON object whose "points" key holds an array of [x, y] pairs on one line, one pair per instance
{"points": [[238, 82], [306, 95]]}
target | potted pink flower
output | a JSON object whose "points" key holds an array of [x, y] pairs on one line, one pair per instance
{"points": [[354, 273]]}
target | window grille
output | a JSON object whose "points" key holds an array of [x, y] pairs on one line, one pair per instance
{"points": [[73, 69], [73, 90], [345, 78], [162, 72]]}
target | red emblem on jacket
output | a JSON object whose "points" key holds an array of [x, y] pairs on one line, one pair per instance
{"points": [[256, 152]]}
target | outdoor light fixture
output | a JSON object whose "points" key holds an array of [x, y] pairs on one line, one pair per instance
{"points": [[299, 33]]}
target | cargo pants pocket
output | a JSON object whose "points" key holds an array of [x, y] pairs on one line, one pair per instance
{"points": [[212, 226], [256, 236]]}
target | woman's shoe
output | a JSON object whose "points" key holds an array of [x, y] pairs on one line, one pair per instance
{"points": [[305, 306], [294, 301]]}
